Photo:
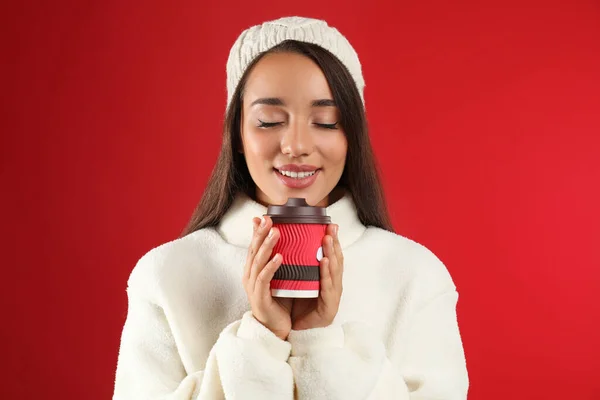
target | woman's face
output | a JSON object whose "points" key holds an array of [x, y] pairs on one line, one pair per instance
{"points": [[292, 141]]}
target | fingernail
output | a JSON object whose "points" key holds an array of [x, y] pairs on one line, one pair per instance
{"points": [[263, 222], [335, 230], [331, 240], [271, 233]]}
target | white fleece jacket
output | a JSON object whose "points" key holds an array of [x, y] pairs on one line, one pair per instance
{"points": [[189, 332]]}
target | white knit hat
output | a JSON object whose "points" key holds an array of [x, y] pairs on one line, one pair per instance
{"points": [[260, 38]]}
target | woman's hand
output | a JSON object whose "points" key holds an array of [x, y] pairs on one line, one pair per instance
{"points": [[272, 312], [320, 312]]}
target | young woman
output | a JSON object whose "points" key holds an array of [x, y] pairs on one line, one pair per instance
{"points": [[202, 323]]}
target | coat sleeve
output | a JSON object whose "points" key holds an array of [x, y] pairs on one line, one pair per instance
{"points": [[247, 361], [351, 361]]}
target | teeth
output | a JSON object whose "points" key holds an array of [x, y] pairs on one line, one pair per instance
{"points": [[297, 175]]}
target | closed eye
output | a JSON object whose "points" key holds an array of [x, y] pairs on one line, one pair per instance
{"points": [[263, 124], [328, 126]]}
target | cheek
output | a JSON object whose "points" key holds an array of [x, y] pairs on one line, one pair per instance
{"points": [[259, 147], [335, 149]]}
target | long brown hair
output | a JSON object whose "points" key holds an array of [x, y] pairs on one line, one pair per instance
{"points": [[360, 176]]}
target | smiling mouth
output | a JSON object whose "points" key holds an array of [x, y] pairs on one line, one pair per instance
{"points": [[296, 175]]}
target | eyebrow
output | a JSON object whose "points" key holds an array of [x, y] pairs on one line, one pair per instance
{"points": [[269, 101], [323, 103], [276, 101]]}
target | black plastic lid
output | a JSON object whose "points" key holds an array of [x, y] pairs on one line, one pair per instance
{"points": [[297, 211]]}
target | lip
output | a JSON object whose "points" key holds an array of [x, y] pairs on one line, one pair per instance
{"points": [[296, 183], [297, 168]]}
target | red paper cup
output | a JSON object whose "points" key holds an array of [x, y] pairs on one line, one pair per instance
{"points": [[302, 229], [300, 247]]}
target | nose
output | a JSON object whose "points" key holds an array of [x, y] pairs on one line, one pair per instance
{"points": [[297, 141]]}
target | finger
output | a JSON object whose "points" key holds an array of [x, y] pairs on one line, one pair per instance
{"points": [[326, 282], [263, 255], [263, 281], [246, 274], [258, 235], [328, 249], [339, 255], [335, 268], [331, 229], [337, 246], [257, 239]]}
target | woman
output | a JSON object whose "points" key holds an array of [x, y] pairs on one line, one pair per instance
{"points": [[202, 323]]}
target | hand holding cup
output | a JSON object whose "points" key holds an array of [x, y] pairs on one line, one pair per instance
{"points": [[259, 269]]}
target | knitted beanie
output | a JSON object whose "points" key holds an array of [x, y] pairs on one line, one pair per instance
{"points": [[260, 38]]}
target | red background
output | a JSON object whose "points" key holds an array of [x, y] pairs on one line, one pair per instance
{"points": [[485, 117]]}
